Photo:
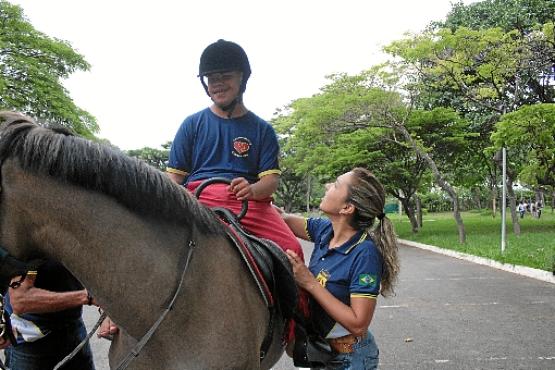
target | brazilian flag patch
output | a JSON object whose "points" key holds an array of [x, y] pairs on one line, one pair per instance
{"points": [[366, 280]]}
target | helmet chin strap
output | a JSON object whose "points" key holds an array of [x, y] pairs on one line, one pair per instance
{"points": [[229, 108]]}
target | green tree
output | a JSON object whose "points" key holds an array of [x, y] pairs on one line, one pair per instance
{"points": [[157, 158], [32, 66], [356, 120], [509, 15], [529, 136], [482, 74]]}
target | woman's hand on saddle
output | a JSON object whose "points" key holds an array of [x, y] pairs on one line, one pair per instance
{"points": [[242, 189], [303, 276], [107, 329]]}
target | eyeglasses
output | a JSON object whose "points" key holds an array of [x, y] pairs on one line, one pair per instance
{"points": [[213, 78]]}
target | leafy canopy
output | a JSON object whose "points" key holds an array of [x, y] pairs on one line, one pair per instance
{"points": [[529, 135], [32, 67]]}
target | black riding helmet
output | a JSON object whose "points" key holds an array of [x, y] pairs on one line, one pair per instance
{"points": [[224, 56]]}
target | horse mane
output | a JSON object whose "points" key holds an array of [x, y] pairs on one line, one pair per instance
{"points": [[56, 152]]}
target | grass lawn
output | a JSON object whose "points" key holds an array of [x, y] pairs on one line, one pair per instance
{"points": [[535, 247]]}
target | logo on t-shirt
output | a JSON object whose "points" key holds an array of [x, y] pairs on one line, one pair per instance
{"points": [[323, 277], [241, 147], [367, 280]]}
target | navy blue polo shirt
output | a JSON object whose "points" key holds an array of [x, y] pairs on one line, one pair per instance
{"points": [[207, 145], [353, 269]]}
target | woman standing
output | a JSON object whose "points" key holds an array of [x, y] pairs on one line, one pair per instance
{"points": [[352, 263]]}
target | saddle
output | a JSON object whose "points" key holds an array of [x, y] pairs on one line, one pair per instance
{"points": [[267, 264]]}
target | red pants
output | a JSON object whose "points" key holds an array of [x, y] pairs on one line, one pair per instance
{"points": [[261, 220]]}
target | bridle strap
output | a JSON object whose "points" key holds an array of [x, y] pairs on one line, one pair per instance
{"points": [[144, 340], [83, 342]]}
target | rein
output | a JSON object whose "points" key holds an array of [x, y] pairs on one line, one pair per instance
{"points": [[144, 340], [83, 342]]}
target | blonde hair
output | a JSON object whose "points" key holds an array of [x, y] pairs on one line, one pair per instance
{"points": [[367, 195]]}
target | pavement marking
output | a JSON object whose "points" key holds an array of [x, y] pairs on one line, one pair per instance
{"points": [[496, 358], [462, 278], [396, 306], [441, 361], [471, 304]]}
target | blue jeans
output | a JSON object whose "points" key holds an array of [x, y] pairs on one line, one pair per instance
{"points": [[364, 357], [46, 352]]}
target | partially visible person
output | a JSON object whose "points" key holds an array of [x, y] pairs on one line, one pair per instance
{"points": [[354, 260], [539, 206], [227, 140], [521, 209], [45, 312], [107, 329]]}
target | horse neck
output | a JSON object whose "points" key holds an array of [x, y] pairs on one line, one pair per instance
{"points": [[117, 254]]}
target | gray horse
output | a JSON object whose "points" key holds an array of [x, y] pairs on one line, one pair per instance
{"points": [[124, 230]]}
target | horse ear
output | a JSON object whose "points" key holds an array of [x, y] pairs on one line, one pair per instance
{"points": [[10, 118], [61, 130]]}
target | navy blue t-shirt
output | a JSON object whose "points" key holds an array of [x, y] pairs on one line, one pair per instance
{"points": [[352, 270], [206, 146]]}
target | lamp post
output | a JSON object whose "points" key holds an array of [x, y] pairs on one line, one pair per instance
{"points": [[504, 201]]}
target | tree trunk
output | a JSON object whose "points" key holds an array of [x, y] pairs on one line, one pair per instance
{"points": [[410, 214], [439, 179], [288, 206], [418, 211]]}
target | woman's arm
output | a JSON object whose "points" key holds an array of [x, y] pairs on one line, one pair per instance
{"points": [[355, 318], [297, 224]]}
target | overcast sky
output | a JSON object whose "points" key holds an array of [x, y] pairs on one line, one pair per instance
{"points": [[144, 54]]}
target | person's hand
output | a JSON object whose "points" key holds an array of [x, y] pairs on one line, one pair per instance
{"points": [[303, 276], [4, 343], [23, 286], [241, 188], [107, 329], [91, 301]]}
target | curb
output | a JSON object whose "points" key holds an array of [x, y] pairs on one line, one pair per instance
{"points": [[516, 269]]}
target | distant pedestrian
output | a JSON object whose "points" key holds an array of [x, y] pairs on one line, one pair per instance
{"points": [[539, 207], [521, 209], [533, 210]]}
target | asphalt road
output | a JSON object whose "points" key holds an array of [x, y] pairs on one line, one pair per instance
{"points": [[451, 314]]}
